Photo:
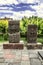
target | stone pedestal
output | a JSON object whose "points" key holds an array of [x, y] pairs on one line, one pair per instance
{"points": [[13, 46]]}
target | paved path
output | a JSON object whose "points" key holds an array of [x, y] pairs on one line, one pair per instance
{"points": [[19, 57]]}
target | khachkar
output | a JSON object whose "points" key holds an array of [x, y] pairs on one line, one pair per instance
{"points": [[14, 36], [32, 37], [13, 29], [32, 34]]}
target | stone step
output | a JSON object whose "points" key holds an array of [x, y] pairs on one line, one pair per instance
{"points": [[34, 46], [13, 46]]}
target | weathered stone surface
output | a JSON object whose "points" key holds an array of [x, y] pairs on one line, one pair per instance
{"points": [[14, 38], [32, 34], [35, 62], [13, 28], [11, 22]]}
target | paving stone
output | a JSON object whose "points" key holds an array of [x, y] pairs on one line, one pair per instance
{"points": [[41, 54], [18, 52], [17, 55], [17, 63], [35, 62], [9, 60], [24, 53], [13, 51], [10, 63], [25, 62], [3, 63], [25, 58], [33, 55], [17, 58], [14, 63], [7, 52], [9, 56], [1, 46], [32, 52], [1, 54], [2, 59]]}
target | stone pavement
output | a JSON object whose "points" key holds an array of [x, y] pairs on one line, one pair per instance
{"points": [[19, 57]]}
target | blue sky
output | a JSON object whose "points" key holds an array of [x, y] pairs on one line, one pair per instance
{"points": [[17, 9]]}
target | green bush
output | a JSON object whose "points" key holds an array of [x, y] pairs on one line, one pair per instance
{"points": [[31, 20], [5, 36], [3, 26]]}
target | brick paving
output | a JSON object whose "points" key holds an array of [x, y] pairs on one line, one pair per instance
{"points": [[19, 57]]}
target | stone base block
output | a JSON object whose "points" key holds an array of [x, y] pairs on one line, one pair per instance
{"points": [[13, 46], [34, 46], [14, 38]]}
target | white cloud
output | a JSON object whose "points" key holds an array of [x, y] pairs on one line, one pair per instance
{"points": [[27, 13], [19, 15], [8, 1], [16, 1]]}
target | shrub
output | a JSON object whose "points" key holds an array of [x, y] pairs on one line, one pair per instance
{"points": [[3, 26], [31, 20], [5, 36]]}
